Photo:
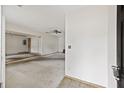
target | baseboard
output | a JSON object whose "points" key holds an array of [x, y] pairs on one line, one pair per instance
{"points": [[29, 58], [24, 60], [86, 82], [49, 53], [17, 53]]}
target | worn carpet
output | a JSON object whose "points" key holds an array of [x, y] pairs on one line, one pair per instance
{"points": [[46, 72]]}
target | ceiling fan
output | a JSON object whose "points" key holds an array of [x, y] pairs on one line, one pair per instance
{"points": [[20, 5], [55, 31]]}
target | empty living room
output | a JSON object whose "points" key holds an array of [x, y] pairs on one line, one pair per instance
{"points": [[61, 46], [35, 46]]}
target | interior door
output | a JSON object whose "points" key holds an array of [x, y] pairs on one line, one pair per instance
{"points": [[120, 45]]}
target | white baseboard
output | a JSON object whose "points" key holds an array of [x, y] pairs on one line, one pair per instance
{"points": [[86, 82]]}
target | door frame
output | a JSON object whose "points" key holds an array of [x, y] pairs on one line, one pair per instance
{"points": [[2, 47], [120, 43], [29, 45]]}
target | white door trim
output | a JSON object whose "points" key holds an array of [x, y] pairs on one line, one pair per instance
{"points": [[3, 46]]}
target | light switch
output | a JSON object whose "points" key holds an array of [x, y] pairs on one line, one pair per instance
{"points": [[69, 46]]}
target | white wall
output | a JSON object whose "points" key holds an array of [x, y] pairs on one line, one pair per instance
{"points": [[87, 33], [14, 44], [14, 28], [112, 55], [40, 43], [61, 44], [45, 44], [35, 45], [49, 44]]}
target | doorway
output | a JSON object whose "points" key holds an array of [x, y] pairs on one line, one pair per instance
{"points": [[35, 57], [29, 45], [120, 46]]}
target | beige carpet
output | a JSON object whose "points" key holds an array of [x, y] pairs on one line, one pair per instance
{"points": [[71, 83], [41, 73]]}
